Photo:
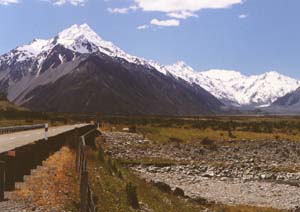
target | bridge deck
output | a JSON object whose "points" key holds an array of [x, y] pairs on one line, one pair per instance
{"points": [[11, 141]]}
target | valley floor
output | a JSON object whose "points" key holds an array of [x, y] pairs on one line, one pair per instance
{"points": [[182, 165], [264, 174]]}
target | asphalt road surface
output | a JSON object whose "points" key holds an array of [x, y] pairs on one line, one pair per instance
{"points": [[11, 141]]}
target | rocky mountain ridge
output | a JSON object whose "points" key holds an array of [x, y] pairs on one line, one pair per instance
{"points": [[78, 71]]}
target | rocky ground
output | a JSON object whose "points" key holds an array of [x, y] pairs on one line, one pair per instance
{"points": [[259, 173], [50, 188]]}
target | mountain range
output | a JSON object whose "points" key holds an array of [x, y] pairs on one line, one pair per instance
{"points": [[233, 88], [78, 71]]}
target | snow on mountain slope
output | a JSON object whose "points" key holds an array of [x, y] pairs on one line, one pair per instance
{"points": [[236, 89], [25, 66], [82, 39], [77, 69], [34, 48], [22, 67], [78, 38]]}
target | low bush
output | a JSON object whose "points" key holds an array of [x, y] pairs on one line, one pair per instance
{"points": [[132, 196], [206, 141], [178, 192], [175, 140], [101, 154], [163, 187]]}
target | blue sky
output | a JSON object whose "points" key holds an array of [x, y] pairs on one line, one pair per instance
{"points": [[251, 36]]}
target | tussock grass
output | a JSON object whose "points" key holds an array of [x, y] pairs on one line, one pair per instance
{"points": [[195, 135], [218, 128]]}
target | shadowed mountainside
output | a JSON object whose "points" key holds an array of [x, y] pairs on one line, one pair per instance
{"points": [[102, 84]]}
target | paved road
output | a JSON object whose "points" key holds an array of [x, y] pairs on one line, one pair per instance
{"points": [[14, 140]]}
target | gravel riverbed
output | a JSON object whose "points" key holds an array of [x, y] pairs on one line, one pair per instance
{"points": [[256, 173]]}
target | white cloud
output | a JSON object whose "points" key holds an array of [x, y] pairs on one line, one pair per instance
{"points": [[242, 16], [184, 5], [72, 2], [165, 23], [122, 10], [142, 27], [118, 10], [7, 2], [175, 9], [182, 14]]}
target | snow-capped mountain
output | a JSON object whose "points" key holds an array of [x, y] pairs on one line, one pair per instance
{"points": [[234, 88], [78, 38], [44, 62], [79, 71], [30, 60]]}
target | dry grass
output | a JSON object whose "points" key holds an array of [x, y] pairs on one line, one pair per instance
{"points": [[241, 208], [8, 106], [192, 135], [54, 186]]}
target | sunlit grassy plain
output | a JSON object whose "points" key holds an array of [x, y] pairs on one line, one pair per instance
{"points": [[194, 135], [220, 129]]}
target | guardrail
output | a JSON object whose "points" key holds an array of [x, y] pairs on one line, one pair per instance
{"points": [[87, 203], [17, 163], [6, 130]]}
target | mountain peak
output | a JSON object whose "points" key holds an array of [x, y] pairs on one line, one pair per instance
{"points": [[83, 39], [72, 36], [85, 26], [77, 38], [225, 75], [180, 63], [180, 66], [272, 73], [76, 31]]}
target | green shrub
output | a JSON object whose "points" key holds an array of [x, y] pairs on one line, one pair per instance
{"points": [[132, 129], [101, 157], [162, 186], [178, 192], [175, 140], [201, 201], [230, 134], [132, 196], [206, 141], [119, 174]]}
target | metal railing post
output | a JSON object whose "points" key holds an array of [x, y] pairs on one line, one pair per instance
{"points": [[2, 180], [86, 197]]}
